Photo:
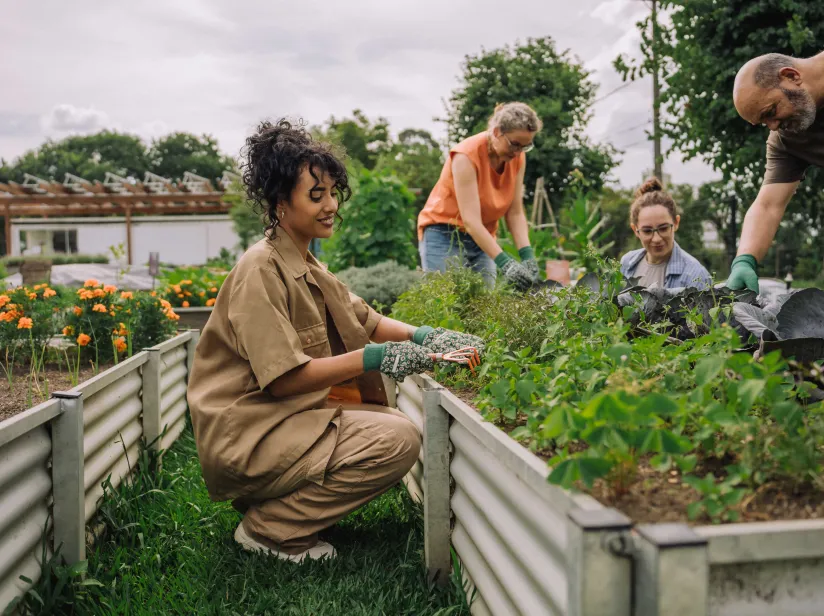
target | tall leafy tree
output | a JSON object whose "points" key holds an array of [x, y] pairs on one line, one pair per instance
{"points": [[174, 154], [698, 48], [553, 83], [363, 140], [88, 156], [416, 158]]}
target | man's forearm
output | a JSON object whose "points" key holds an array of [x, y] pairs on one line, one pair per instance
{"points": [[763, 218]]}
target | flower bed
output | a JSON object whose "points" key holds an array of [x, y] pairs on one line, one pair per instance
{"points": [[664, 432], [46, 334], [192, 287]]}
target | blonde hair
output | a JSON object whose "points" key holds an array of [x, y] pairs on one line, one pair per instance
{"points": [[514, 116], [652, 193]]}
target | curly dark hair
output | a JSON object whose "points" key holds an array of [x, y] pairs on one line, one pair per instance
{"points": [[272, 161]]}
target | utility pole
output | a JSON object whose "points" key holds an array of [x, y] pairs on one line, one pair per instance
{"points": [[656, 96]]}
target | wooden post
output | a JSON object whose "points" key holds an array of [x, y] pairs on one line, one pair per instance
{"points": [[67, 478], [7, 225], [436, 507], [151, 400], [128, 209]]}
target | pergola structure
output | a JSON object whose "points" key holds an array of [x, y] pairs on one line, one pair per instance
{"points": [[114, 196]]}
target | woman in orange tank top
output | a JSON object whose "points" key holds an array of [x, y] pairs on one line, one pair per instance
{"points": [[483, 181]]}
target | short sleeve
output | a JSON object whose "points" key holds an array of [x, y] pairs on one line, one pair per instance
{"points": [[259, 315], [367, 316], [782, 166]]}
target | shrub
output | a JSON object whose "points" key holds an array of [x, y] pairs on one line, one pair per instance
{"points": [[107, 324], [379, 285], [56, 259], [378, 225], [189, 287], [27, 320]]}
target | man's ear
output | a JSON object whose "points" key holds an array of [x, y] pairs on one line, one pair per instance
{"points": [[790, 74], [677, 222]]}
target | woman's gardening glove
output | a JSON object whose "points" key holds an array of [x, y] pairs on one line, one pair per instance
{"points": [[743, 273], [397, 360], [515, 273], [440, 340], [529, 261]]}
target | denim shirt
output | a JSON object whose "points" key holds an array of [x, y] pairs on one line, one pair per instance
{"points": [[683, 270]]}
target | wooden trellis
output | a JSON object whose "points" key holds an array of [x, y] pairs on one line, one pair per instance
{"points": [[539, 204]]}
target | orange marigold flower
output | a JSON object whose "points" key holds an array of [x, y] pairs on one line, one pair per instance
{"points": [[213, 289], [176, 288], [78, 310], [49, 293], [210, 301], [24, 323], [112, 313], [185, 304], [180, 294], [172, 315], [165, 303], [4, 299], [185, 282], [99, 308], [6, 316], [187, 294], [99, 293], [202, 293], [85, 294], [32, 295], [120, 345], [68, 330], [109, 288], [126, 295], [154, 293], [91, 283], [83, 339]]}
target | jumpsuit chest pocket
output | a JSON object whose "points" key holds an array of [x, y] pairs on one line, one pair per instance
{"points": [[314, 340]]}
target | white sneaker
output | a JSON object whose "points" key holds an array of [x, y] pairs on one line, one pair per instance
{"points": [[320, 550]]}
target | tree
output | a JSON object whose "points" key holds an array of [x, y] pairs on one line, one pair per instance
{"points": [[88, 156], [417, 159], [174, 154], [363, 141], [557, 87], [246, 219], [376, 225], [699, 52]]}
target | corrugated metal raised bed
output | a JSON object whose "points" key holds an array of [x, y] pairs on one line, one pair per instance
{"points": [[54, 457], [528, 547]]}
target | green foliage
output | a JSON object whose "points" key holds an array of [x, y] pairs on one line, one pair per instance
{"points": [[379, 285], [246, 220], [92, 156], [417, 159], [56, 259], [553, 83], [163, 532], [174, 154], [190, 287], [88, 156], [378, 225], [565, 370], [363, 141]]}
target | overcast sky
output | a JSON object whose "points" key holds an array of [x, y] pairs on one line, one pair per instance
{"points": [[212, 66]]}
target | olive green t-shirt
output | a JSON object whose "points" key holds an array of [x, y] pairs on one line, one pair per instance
{"points": [[789, 155]]}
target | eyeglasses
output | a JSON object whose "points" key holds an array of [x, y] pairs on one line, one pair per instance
{"points": [[517, 147], [664, 231]]}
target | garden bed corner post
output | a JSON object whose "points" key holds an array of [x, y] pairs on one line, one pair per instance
{"points": [[671, 571], [436, 508], [68, 478], [600, 565], [151, 399]]}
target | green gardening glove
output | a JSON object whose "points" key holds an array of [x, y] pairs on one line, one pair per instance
{"points": [[529, 261], [397, 360], [440, 340], [743, 273], [514, 273]]}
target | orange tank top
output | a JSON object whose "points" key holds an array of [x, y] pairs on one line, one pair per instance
{"points": [[496, 190]]}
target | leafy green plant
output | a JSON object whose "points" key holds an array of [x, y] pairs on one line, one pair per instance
{"points": [[378, 225], [379, 285]]}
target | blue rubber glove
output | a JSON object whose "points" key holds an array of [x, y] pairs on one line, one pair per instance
{"points": [[743, 273]]}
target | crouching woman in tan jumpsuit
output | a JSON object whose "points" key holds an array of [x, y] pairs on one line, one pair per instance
{"points": [[287, 401]]}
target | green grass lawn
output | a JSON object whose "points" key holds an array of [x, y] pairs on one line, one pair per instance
{"points": [[169, 550]]}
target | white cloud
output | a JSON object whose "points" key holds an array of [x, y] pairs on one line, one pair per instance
{"points": [[65, 118]]}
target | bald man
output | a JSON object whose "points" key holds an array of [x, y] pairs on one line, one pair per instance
{"points": [[785, 94]]}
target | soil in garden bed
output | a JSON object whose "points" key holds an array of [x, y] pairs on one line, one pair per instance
{"points": [[654, 496], [53, 378]]}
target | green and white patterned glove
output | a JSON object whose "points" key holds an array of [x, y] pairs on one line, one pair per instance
{"points": [[515, 273], [529, 261], [440, 340], [397, 360]]}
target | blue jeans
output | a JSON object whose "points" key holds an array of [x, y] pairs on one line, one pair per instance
{"points": [[444, 245]]}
